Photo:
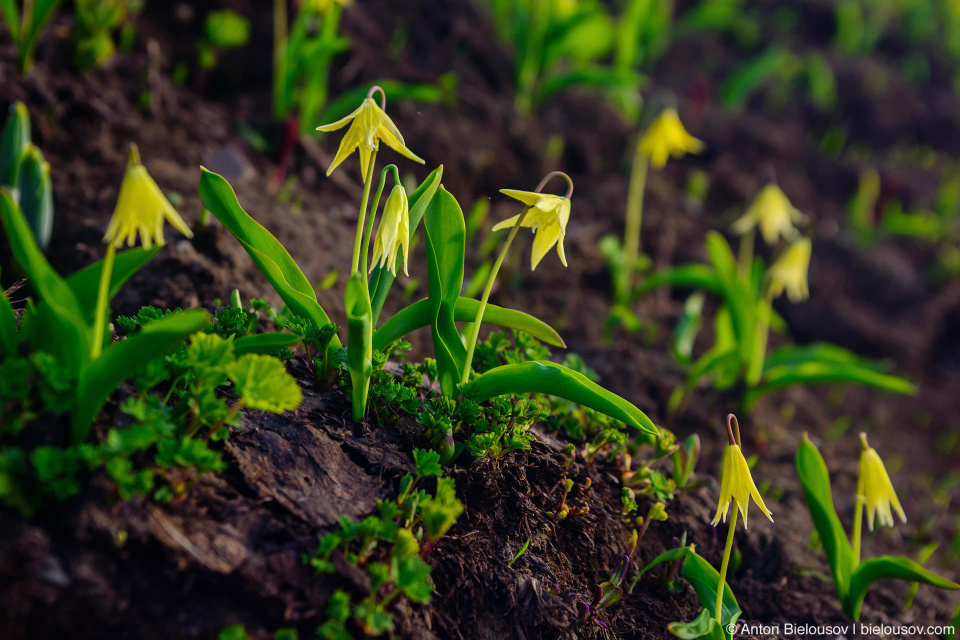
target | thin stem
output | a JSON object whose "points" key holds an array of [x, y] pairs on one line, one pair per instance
{"points": [[631, 233], [373, 214], [746, 254], [858, 513], [361, 221], [755, 367], [103, 294], [726, 562]]}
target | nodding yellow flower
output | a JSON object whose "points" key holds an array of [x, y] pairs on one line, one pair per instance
{"points": [[369, 124], [772, 212], [736, 484], [141, 209], [394, 232], [790, 271], [874, 485], [322, 5], [547, 215], [666, 137]]}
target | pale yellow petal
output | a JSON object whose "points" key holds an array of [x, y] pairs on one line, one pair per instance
{"points": [[529, 198], [507, 224], [342, 122]]}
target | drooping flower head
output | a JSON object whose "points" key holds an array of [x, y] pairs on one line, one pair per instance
{"points": [[772, 212], [736, 482], [790, 271], [876, 488], [547, 215], [369, 124], [394, 232], [141, 209], [321, 6], [667, 137]]}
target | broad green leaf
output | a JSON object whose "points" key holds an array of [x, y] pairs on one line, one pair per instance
{"points": [[746, 79], [264, 343], [703, 626], [417, 315], [360, 342], [827, 372], [86, 281], [817, 352], [381, 279], [688, 327], [270, 256], [122, 360], [738, 296], [67, 334], [36, 194], [692, 276], [263, 383], [16, 129], [556, 380], [446, 233], [815, 480], [884, 567]]}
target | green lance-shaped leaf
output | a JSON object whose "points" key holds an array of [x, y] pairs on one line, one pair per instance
{"points": [[381, 279], [360, 342], [815, 480], [823, 352], [417, 315], [9, 336], [36, 194], [122, 360], [739, 297], [884, 567], [41, 12], [85, 282], [263, 383], [828, 372], [446, 233], [703, 626], [542, 376], [13, 142], [59, 326], [264, 343], [270, 256], [688, 276]]}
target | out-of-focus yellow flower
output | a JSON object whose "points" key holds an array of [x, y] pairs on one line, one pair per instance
{"points": [[666, 137], [773, 213], [141, 209], [790, 271], [547, 215], [369, 124], [875, 487], [322, 5], [394, 232], [736, 484]]}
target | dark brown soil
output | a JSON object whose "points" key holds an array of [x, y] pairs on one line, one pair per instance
{"points": [[230, 552]]}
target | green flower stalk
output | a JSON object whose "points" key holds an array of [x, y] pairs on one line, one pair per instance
{"points": [[547, 215], [737, 486]]}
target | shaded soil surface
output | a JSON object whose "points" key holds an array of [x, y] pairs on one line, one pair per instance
{"points": [[230, 552]]}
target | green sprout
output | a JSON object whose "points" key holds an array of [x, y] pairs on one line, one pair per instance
{"points": [[875, 495], [26, 20], [24, 171]]}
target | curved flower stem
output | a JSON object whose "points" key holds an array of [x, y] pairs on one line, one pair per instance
{"points": [[726, 562], [755, 366], [631, 233], [475, 332], [362, 219], [373, 214], [858, 514], [103, 295]]}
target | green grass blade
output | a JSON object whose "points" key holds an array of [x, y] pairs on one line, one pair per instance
{"points": [[553, 379], [828, 373], [886, 567], [691, 276], [264, 343]]}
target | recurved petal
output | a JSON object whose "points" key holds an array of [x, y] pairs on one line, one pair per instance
{"points": [[508, 223], [349, 142], [543, 241], [342, 122], [529, 198], [395, 142]]}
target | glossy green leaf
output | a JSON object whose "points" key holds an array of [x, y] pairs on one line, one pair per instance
{"points": [[817, 352], [264, 343], [269, 255], [446, 233], [692, 276], [703, 626], [122, 360], [16, 130], [66, 334], [827, 372], [360, 342], [86, 281], [36, 194], [381, 279], [815, 480], [417, 315], [739, 298], [688, 327], [885, 567], [556, 380], [263, 383]]}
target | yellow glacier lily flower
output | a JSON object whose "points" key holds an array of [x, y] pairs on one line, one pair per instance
{"points": [[141, 209], [790, 271], [369, 124], [874, 485], [736, 485], [394, 232], [772, 212], [322, 5], [547, 215], [666, 137]]}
